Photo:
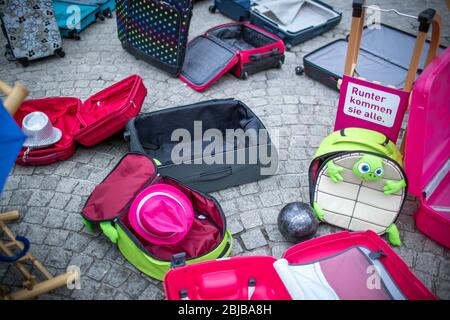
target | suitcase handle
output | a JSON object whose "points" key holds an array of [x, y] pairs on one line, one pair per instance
{"points": [[216, 175], [260, 56], [382, 148], [426, 18]]}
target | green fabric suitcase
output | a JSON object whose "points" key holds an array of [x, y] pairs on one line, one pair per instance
{"points": [[108, 206], [357, 182]]}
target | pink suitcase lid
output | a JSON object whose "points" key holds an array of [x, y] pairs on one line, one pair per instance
{"points": [[206, 62], [428, 135], [99, 115], [219, 278]]}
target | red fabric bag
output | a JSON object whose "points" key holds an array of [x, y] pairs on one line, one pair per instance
{"points": [[88, 123]]}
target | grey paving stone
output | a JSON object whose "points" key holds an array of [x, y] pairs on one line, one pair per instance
{"points": [[73, 222], [105, 292], [56, 237], [151, 293], [134, 285], [40, 198], [117, 276], [20, 197], [251, 219], [234, 225], [98, 247], [58, 258], [77, 242], [99, 269], [253, 239], [35, 215], [82, 261], [55, 218], [428, 263]]}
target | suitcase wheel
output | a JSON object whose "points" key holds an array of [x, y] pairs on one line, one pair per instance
{"points": [[107, 13], [245, 75], [299, 71], [279, 64], [74, 35], [212, 9], [288, 46], [60, 53], [24, 62], [101, 17]]}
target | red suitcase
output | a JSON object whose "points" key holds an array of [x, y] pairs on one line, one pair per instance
{"points": [[241, 48], [359, 265], [88, 123]]}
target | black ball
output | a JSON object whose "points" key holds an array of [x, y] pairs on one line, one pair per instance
{"points": [[297, 222]]}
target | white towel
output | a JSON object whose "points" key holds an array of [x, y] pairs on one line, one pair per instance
{"points": [[305, 282]]}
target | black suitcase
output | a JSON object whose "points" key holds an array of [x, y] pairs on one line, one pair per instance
{"points": [[31, 30], [384, 56], [155, 31], [151, 133]]}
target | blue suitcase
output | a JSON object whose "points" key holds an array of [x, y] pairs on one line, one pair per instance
{"points": [[238, 10], [106, 6], [74, 18], [292, 21]]}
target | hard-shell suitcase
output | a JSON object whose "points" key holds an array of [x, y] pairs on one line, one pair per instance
{"points": [[294, 21], [106, 7], [357, 182], [155, 31], [109, 206], [384, 57], [31, 30], [74, 18], [238, 10], [88, 123], [427, 154], [346, 266], [199, 168], [241, 48]]}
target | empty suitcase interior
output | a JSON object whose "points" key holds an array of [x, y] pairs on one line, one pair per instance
{"points": [[156, 139], [208, 57], [384, 56], [294, 16], [205, 60], [241, 37]]}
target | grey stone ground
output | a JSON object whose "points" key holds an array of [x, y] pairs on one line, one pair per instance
{"points": [[51, 197]]}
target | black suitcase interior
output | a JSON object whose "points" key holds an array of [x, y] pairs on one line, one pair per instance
{"points": [[384, 56], [151, 133]]}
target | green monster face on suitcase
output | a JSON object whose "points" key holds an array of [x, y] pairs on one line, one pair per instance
{"points": [[358, 183]]}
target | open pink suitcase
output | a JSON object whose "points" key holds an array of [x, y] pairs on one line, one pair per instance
{"points": [[349, 266], [427, 155]]}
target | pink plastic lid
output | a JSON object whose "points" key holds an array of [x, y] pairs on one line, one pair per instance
{"points": [[428, 135]]}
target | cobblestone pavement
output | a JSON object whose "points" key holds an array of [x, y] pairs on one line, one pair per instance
{"points": [[51, 197]]}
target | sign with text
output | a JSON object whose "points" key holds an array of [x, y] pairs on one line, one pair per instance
{"points": [[364, 104]]}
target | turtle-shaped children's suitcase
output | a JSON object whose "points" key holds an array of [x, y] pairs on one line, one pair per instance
{"points": [[357, 182], [109, 206]]}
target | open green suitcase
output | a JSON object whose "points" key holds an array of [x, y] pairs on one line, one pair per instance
{"points": [[109, 206], [357, 182]]}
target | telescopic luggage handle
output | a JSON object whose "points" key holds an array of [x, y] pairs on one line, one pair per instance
{"points": [[427, 18]]}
